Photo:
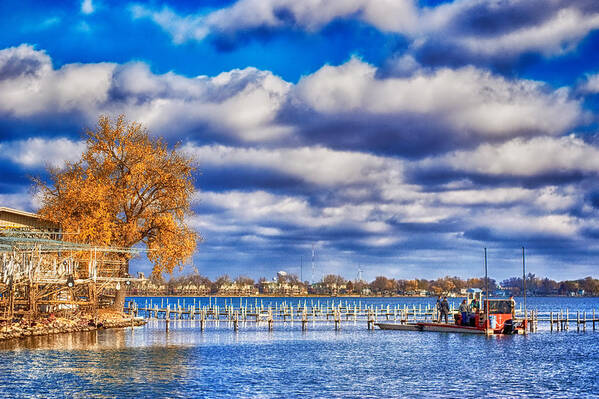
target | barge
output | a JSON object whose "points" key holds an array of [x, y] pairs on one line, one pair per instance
{"points": [[499, 320]]}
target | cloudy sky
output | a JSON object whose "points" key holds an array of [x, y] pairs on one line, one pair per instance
{"points": [[399, 137]]}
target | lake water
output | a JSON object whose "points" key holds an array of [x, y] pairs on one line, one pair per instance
{"points": [[288, 363]]}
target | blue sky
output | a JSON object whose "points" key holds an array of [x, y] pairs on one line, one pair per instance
{"points": [[400, 137]]}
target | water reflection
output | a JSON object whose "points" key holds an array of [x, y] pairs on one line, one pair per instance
{"points": [[253, 362], [80, 340]]}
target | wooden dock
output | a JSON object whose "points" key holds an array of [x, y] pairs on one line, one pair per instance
{"points": [[335, 312]]}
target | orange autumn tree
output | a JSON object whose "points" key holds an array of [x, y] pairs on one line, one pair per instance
{"points": [[128, 188]]}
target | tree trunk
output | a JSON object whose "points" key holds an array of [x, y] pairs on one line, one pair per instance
{"points": [[119, 298]]}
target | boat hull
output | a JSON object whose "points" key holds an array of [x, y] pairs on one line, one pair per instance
{"points": [[450, 328], [400, 327], [433, 327]]}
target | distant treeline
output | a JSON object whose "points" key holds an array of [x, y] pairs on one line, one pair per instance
{"points": [[290, 284]]}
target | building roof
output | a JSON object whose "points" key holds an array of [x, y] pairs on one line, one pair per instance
{"points": [[10, 217], [19, 212], [474, 290]]}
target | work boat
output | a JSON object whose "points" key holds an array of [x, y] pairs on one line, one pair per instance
{"points": [[500, 320]]}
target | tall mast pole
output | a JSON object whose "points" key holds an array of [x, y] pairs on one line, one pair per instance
{"points": [[301, 268], [524, 287], [486, 293], [313, 264]]}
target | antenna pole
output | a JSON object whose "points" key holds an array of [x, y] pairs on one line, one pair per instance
{"points": [[486, 293], [524, 288], [313, 264]]}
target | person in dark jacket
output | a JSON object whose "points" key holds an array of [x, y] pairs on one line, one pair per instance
{"points": [[464, 310], [444, 309], [475, 306]]}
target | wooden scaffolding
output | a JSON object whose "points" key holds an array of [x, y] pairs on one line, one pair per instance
{"points": [[42, 274]]}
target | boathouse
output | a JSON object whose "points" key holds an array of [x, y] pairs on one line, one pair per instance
{"points": [[42, 273]]}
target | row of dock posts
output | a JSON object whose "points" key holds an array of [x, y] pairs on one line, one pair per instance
{"points": [[284, 311], [315, 311], [562, 321]]}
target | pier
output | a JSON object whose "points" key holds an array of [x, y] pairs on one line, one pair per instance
{"points": [[336, 312]]}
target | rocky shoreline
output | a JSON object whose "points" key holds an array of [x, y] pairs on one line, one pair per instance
{"points": [[58, 325]]}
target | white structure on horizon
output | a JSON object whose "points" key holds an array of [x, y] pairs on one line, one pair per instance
{"points": [[281, 275], [360, 274]]}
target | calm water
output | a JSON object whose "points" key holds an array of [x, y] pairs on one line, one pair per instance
{"points": [[286, 363]]}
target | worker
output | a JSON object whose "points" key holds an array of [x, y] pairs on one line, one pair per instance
{"points": [[475, 306], [444, 309], [438, 309], [464, 310], [513, 306]]}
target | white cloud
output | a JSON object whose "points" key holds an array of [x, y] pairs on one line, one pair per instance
{"points": [[527, 158], [180, 28], [314, 165], [246, 104], [486, 196], [21, 200], [560, 31], [389, 15], [469, 99], [87, 7], [557, 35], [591, 85], [36, 88], [38, 152], [240, 103], [517, 223]]}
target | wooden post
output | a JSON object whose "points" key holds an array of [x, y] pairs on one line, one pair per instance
{"points": [[577, 321], [551, 321], [304, 320], [560, 321], [337, 321], [235, 322], [11, 303], [32, 302], [167, 316], [584, 321], [593, 319], [567, 319], [270, 319], [202, 320]]}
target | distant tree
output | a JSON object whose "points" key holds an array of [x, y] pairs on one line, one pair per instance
{"points": [[590, 286], [475, 283], [567, 287], [242, 280], [360, 286], [548, 286], [448, 285], [436, 289], [126, 189], [350, 287], [198, 279], [423, 284], [411, 285], [219, 282], [333, 279], [382, 284]]}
